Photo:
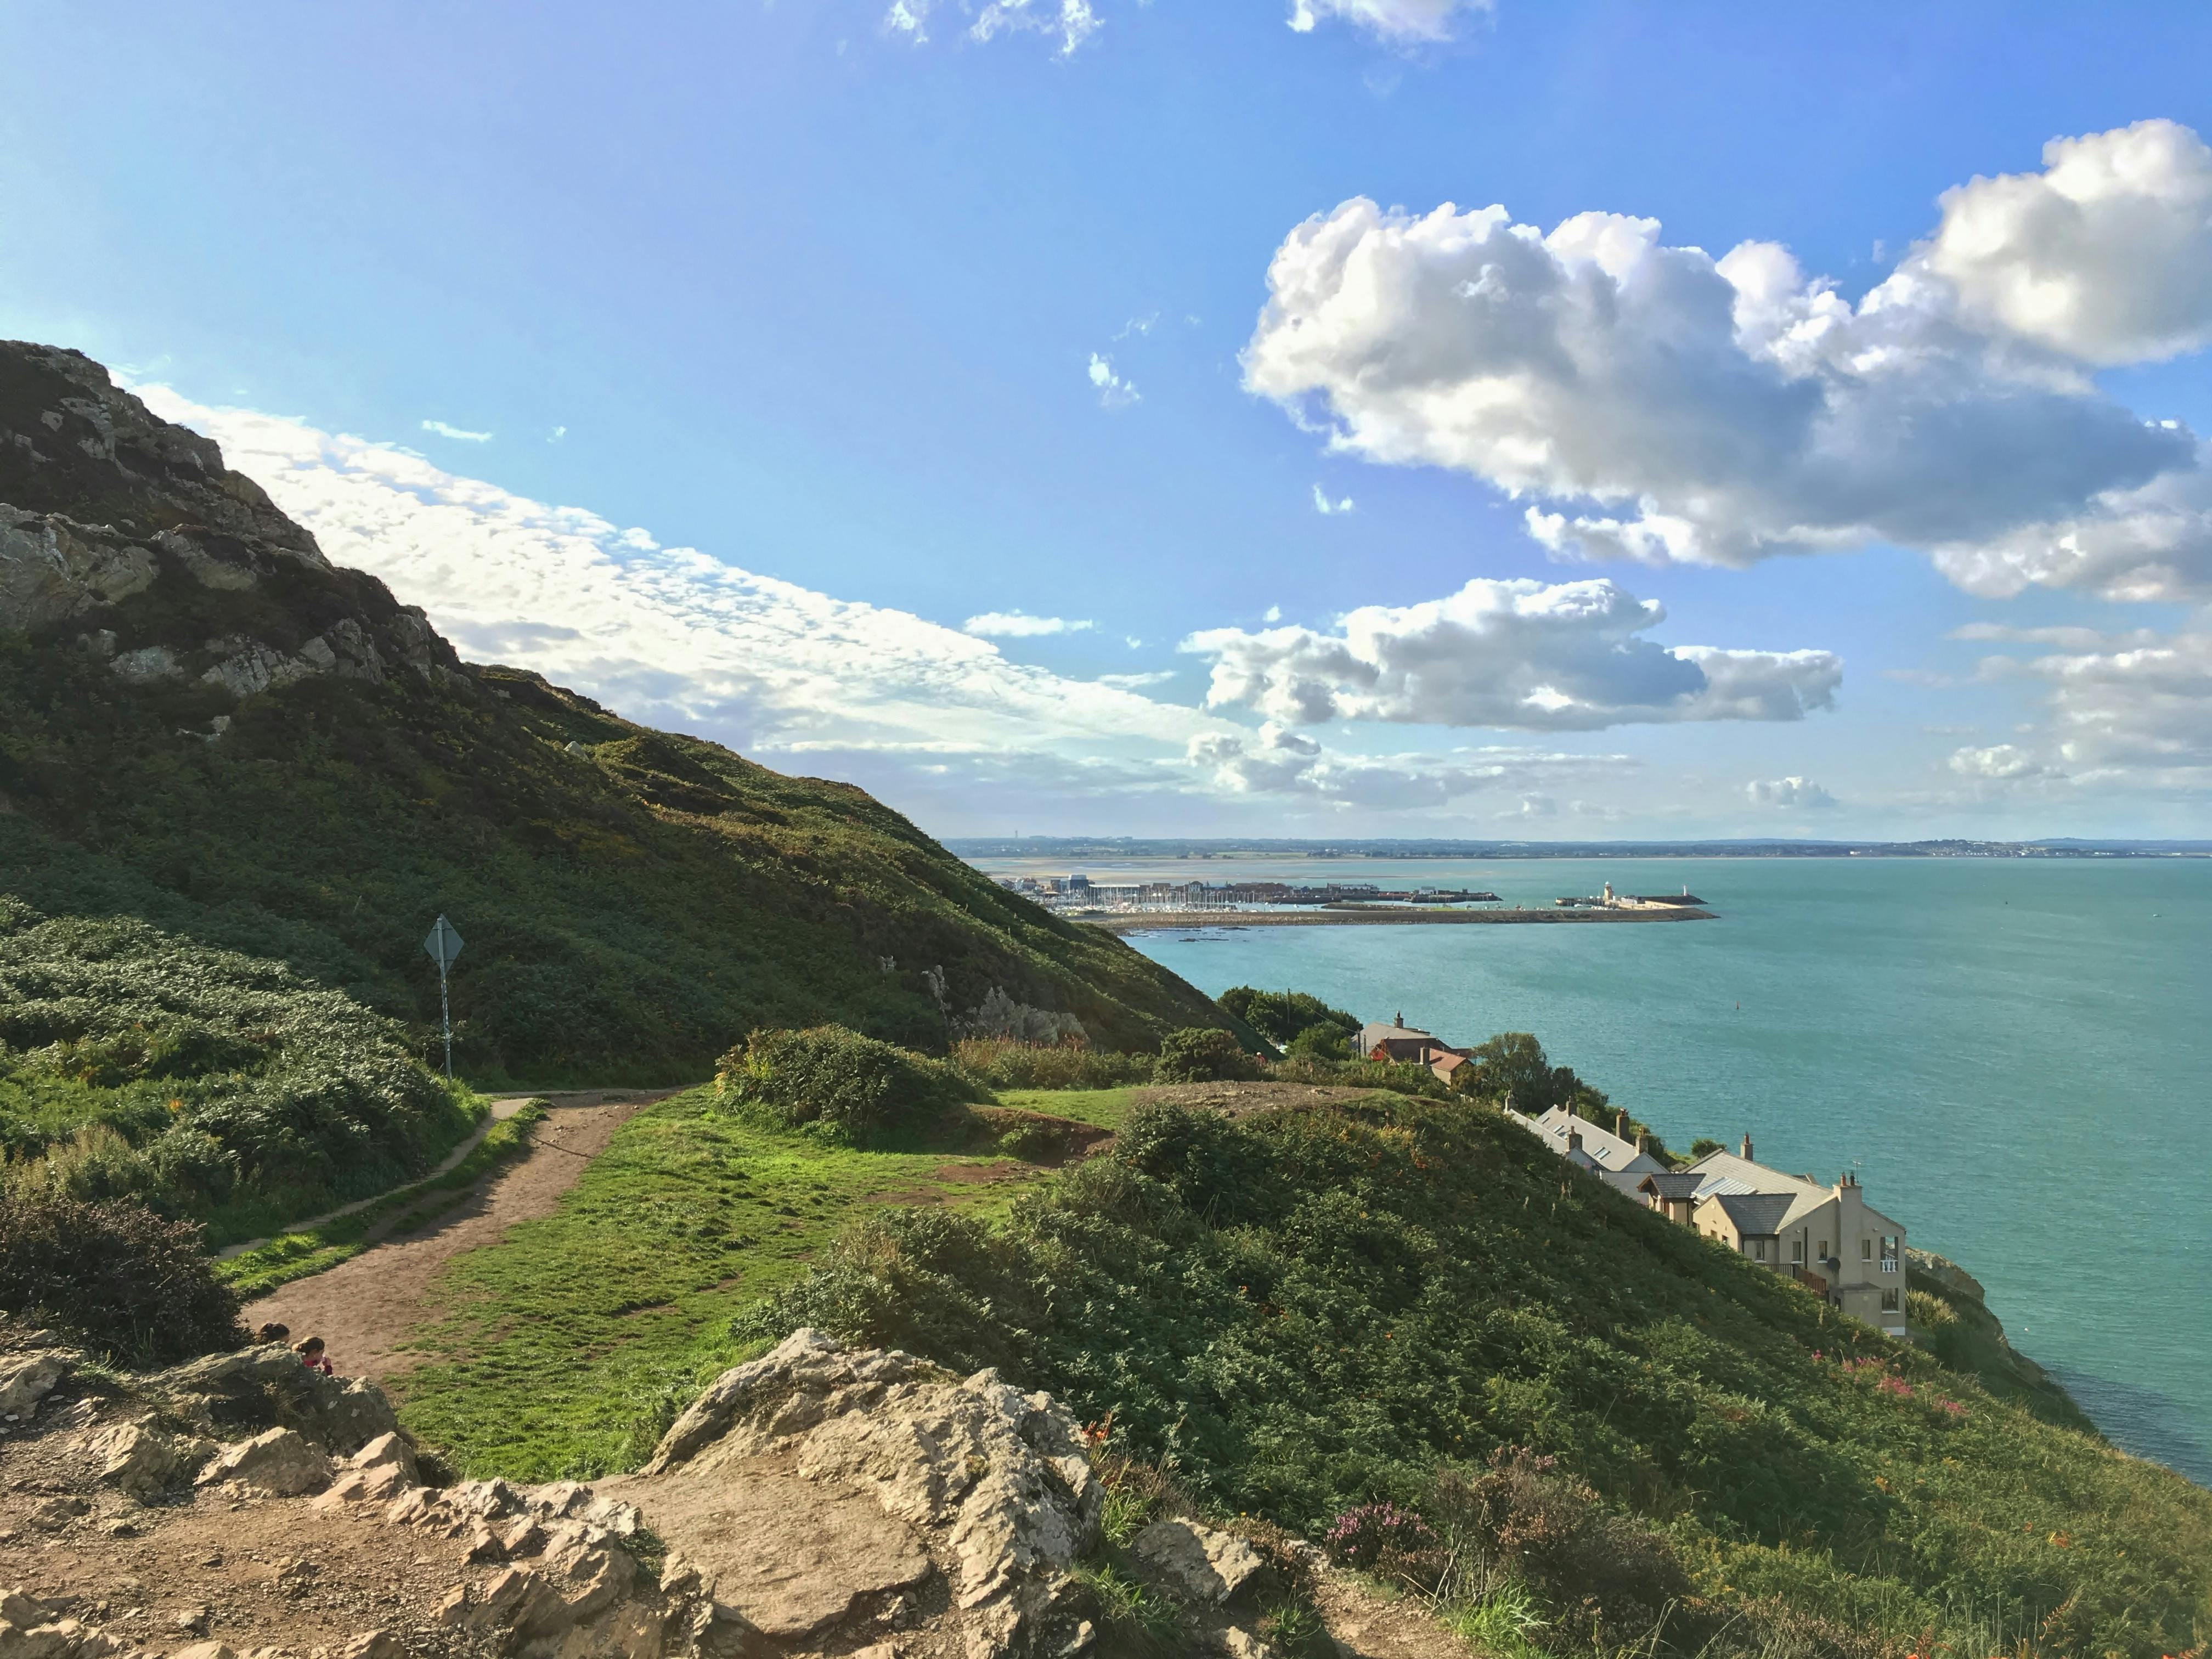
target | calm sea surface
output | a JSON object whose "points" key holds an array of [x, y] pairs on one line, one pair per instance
{"points": [[2015, 1055]]}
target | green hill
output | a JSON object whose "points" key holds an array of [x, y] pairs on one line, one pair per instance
{"points": [[206, 725]]}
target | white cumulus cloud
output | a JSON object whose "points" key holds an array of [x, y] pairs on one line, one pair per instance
{"points": [[1653, 402], [1789, 794], [1016, 625], [1522, 655], [2106, 255], [1407, 22]]}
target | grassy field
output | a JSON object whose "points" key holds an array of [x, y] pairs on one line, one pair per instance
{"points": [[566, 1348]]}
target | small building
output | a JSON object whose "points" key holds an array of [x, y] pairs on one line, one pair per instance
{"points": [[1401, 1044]]}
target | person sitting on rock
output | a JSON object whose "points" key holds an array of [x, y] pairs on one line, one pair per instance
{"points": [[313, 1356]]}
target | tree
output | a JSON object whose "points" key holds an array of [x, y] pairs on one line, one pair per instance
{"points": [[1282, 1016]]}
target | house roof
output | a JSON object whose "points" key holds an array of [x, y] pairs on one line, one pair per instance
{"points": [[1671, 1183], [1756, 1215], [1604, 1150]]}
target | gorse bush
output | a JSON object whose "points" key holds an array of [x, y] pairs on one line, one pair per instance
{"points": [[137, 1288], [1312, 1309], [1005, 1063], [1204, 1054], [840, 1085], [202, 1083]]}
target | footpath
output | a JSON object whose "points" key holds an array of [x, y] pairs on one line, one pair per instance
{"points": [[365, 1308]]}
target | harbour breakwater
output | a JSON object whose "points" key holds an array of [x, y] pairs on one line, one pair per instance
{"points": [[1178, 920]]}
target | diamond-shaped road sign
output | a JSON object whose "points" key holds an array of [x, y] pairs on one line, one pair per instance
{"points": [[444, 943]]}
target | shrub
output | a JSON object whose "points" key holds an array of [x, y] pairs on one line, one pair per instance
{"points": [[1204, 1054], [1324, 1042], [136, 1288], [1360, 1536], [1403, 1077], [1524, 1519], [1004, 1063], [840, 1085]]}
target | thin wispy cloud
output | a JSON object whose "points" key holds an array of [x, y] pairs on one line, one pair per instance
{"points": [[556, 434], [445, 431], [1327, 507], [1402, 22], [1114, 391], [1017, 625]]}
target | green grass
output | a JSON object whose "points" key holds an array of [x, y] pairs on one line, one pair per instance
{"points": [[318, 1250], [566, 1349], [1104, 1106]]}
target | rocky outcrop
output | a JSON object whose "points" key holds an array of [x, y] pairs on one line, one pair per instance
{"points": [[823, 1500], [125, 527], [878, 1474]]}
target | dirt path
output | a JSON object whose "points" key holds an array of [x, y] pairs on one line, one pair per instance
{"points": [[365, 1308], [501, 1110]]}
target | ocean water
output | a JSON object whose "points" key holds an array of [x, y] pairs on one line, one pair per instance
{"points": [[2015, 1055]]}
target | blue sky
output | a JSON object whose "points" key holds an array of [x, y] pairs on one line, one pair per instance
{"points": [[1013, 314]]}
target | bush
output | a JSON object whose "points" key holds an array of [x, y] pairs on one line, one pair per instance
{"points": [[1004, 1063], [137, 1288], [1204, 1054], [1403, 1077], [840, 1085]]}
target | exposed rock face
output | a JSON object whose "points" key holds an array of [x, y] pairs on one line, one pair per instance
{"points": [[27, 1379], [114, 519], [1203, 1563], [278, 1463], [985, 1484]]}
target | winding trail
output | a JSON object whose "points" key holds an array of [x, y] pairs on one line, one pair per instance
{"points": [[367, 1308]]}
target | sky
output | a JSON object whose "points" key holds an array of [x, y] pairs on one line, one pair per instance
{"points": [[1297, 417]]}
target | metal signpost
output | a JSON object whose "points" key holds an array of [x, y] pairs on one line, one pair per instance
{"points": [[443, 945]]}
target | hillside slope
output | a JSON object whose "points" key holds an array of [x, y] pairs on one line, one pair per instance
{"points": [[206, 725], [1306, 1312]]}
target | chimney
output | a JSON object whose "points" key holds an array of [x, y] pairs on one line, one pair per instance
{"points": [[1746, 1153], [1642, 1140], [1398, 1019], [1620, 1124], [1574, 1138]]}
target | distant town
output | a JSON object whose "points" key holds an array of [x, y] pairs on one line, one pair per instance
{"points": [[1078, 895], [1071, 848]]}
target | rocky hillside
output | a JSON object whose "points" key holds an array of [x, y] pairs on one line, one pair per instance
{"points": [[820, 1500], [206, 725]]}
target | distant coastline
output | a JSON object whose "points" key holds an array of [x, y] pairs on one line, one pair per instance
{"points": [[1178, 921], [1065, 847]]}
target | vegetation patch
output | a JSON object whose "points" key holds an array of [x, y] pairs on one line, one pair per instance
{"points": [[1006, 1063], [1405, 1302], [842, 1087], [203, 1084], [131, 1287], [566, 1349]]}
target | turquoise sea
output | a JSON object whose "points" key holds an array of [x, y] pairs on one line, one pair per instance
{"points": [[2014, 1054]]}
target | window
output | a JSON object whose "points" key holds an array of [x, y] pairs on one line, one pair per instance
{"points": [[1889, 1246], [1759, 1249], [1866, 1249], [1797, 1251], [1889, 1301], [1824, 1250]]}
